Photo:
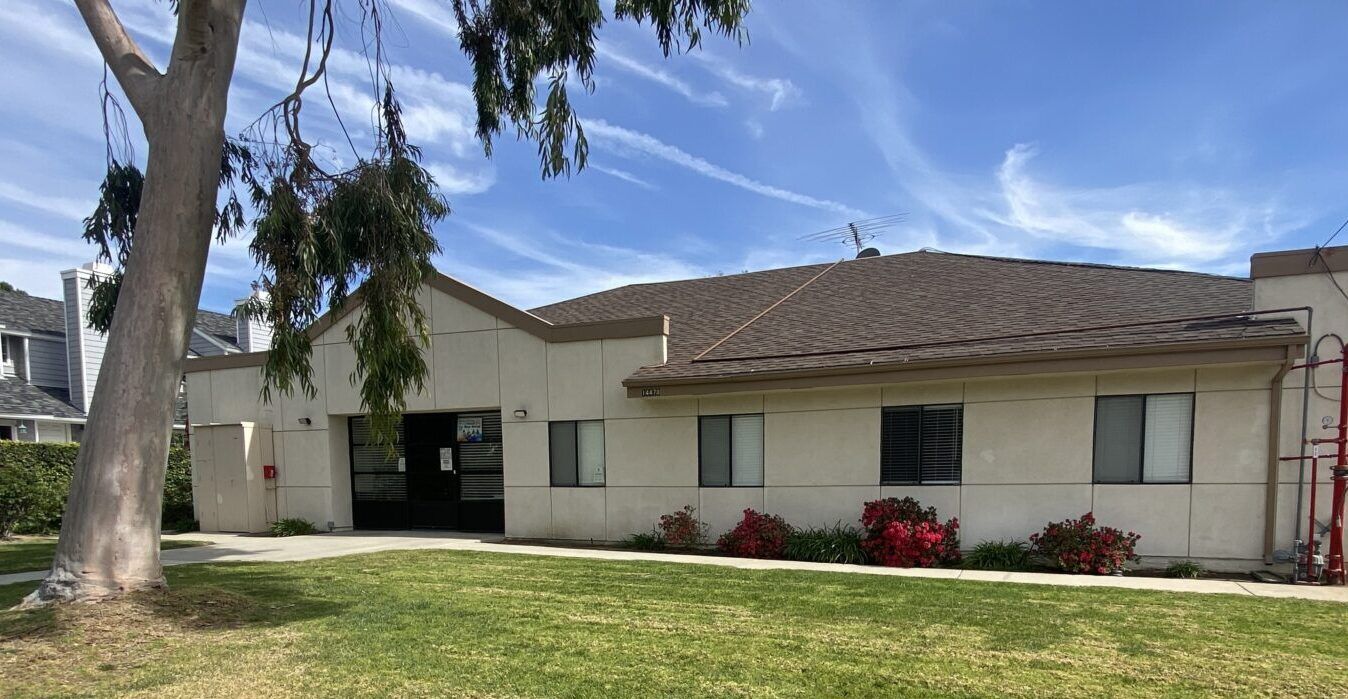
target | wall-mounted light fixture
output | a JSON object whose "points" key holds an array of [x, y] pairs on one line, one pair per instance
{"points": [[306, 421], [521, 413]]}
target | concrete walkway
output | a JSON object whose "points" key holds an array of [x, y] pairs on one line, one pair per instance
{"points": [[234, 547]]}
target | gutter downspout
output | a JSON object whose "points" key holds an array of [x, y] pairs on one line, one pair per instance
{"points": [[1274, 450]]}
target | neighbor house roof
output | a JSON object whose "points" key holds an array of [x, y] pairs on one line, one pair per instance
{"points": [[221, 326], [27, 313], [921, 307], [19, 311], [22, 312], [20, 398]]}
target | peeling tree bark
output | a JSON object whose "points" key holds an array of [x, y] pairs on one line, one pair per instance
{"points": [[110, 532]]}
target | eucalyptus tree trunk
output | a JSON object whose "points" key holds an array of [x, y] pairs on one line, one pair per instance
{"points": [[110, 532]]}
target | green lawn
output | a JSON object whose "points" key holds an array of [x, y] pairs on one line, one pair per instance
{"points": [[23, 555], [443, 623]]}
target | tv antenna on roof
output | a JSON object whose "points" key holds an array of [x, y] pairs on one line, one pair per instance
{"points": [[857, 233]]}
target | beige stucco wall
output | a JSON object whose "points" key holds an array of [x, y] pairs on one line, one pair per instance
{"points": [[478, 361], [1027, 442], [1028, 445], [1318, 291]]}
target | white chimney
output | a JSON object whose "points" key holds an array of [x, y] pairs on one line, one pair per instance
{"points": [[254, 334], [84, 347]]}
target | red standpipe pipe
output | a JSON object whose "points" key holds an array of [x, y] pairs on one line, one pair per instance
{"points": [[1334, 572], [1310, 526]]}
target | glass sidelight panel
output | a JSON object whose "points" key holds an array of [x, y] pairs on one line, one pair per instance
{"points": [[590, 452], [377, 473]]}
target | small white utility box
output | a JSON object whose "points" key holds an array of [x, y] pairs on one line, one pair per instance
{"points": [[230, 490]]}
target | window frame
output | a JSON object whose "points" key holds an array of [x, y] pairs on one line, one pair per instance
{"points": [[921, 410], [730, 445], [1142, 438], [575, 430]]}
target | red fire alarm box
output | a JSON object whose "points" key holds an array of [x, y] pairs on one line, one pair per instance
{"points": [[268, 471]]}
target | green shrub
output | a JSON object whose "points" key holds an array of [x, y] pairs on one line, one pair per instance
{"points": [[31, 498], [645, 541], [1184, 569], [292, 526], [35, 480], [836, 544], [178, 515], [999, 555]]}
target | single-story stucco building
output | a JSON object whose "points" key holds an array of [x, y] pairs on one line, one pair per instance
{"points": [[1005, 392]]}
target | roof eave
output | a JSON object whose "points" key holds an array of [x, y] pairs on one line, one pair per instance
{"points": [[645, 326], [1248, 350]]}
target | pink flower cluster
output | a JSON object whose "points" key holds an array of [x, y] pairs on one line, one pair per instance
{"points": [[901, 533], [757, 535], [1079, 546], [682, 529]]}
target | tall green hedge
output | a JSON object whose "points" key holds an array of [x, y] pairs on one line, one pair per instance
{"points": [[35, 479]]}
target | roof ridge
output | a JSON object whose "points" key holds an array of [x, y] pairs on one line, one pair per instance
{"points": [[687, 279], [767, 310], [1068, 263]]}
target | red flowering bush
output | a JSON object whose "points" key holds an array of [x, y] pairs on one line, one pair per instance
{"points": [[1079, 546], [901, 533], [682, 529], [758, 535]]}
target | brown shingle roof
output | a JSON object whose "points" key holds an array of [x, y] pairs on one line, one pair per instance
{"points": [[919, 306]]}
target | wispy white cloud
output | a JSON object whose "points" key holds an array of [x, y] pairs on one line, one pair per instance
{"points": [[661, 77], [621, 174], [1006, 210], [32, 258], [622, 141], [551, 266], [456, 180], [438, 17], [35, 23], [1139, 222], [13, 235], [63, 207], [436, 14], [780, 91], [436, 111]]}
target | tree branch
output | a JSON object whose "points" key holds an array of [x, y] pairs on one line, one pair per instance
{"points": [[134, 70]]}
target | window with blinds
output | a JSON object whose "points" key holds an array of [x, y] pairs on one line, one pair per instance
{"points": [[730, 450], [576, 452], [921, 444], [376, 473], [1144, 439], [481, 465]]}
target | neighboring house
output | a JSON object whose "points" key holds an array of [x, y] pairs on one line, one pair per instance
{"points": [[51, 358], [1005, 392]]}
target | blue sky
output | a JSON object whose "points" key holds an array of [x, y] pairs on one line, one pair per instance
{"points": [[1171, 134]]}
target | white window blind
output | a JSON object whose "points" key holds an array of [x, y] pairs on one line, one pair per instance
{"points": [[746, 435], [1167, 433], [590, 452]]}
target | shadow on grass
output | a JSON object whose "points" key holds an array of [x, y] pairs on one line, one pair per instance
{"points": [[224, 596]]}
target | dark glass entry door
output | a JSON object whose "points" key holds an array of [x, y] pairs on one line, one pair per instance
{"points": [[432, 471], [445, 473]]}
